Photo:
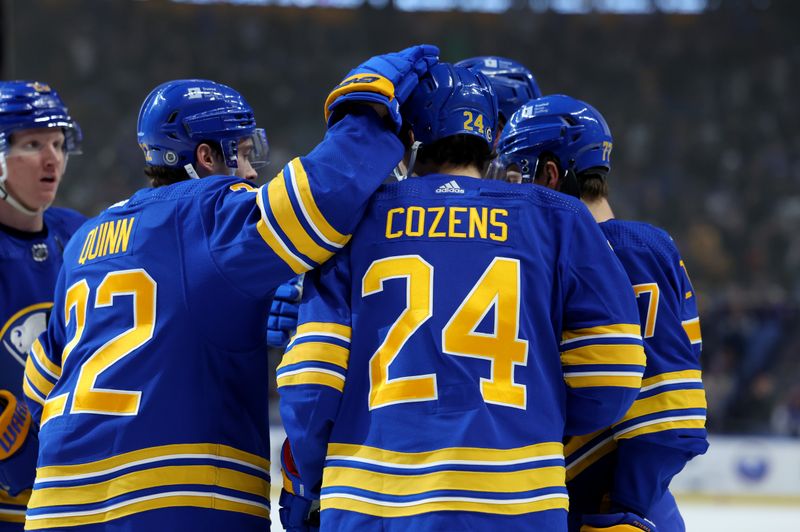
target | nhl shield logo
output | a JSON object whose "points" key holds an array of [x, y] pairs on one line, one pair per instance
{"points": [[39, 252]]}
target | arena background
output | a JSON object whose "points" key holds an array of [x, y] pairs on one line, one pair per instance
{"points": [[701, 97]]}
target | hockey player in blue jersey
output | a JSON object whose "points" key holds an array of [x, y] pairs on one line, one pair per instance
{"points": [[37, 135], [441, 357], [149, 384], [620, 474]]}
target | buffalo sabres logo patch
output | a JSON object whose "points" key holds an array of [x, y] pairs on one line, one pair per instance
{"points": [[39, 252], [19, 332]]}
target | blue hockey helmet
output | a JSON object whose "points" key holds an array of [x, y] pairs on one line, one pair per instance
{"points": [[512, 82], [178, 115], [573, 131], [451, 100], [32, 105]]}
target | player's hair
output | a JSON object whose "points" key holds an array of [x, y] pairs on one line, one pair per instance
{"points": [[457, 150], [593, 186], [160, 176]]}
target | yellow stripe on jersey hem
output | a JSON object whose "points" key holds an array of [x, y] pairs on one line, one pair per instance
{"points": [[22, 498], [316, 352], [150, 478], [316, 376], [692, 328], [12, 516], [672, 377], [627, 354], [215, 501], [282, 209], [212, 451], [53, 369], [664, 401], [393, 484], [576, 442], [314, 217], [600, 378], [355, 503], [622, 330], [459, 455], [662, 424], [324, 328], [275, 243]]}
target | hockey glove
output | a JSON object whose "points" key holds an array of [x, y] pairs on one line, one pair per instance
{"points": [[299, 507], [619, 522], [282, 319], [385, 79], [19, 445]]}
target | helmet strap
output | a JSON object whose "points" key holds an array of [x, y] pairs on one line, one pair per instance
{"points": [[412, 158], [191, 171], [569, 184]]}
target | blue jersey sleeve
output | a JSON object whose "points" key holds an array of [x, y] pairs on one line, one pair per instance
{"points": [[313, 371], [306, 213], [601, 348], [665, 427]]}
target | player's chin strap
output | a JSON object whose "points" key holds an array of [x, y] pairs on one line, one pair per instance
{"points": [[8, 198], [412, 159], [191, 171]]}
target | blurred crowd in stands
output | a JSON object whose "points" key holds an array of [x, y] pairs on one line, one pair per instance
{"points": [[704, 111]]}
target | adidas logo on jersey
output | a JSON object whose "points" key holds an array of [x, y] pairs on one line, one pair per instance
{"points": [[451, 187]]}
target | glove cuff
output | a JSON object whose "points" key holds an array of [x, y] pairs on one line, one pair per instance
{"points": [[15, 422], [360, 82]]}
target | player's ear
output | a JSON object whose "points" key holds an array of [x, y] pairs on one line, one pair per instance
{"points": [[205, 158], [552, 175]]}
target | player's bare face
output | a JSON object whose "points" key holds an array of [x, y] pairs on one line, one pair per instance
{"points": [[245, 168], [35, 163]]}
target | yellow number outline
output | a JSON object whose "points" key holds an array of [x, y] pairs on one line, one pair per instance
{"points": [[652, 306], [87, 398], [384, 391], [498, 288]]}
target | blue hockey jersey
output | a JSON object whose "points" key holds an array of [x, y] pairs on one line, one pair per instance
{"points": [[150, 382], [440, 359], [29, 264], [634, 460]]}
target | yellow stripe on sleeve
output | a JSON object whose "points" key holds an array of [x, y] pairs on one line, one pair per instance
{"points": [[311, 376], [594, 379], [310, 209], [30, 393], [400, 485], [37, 379], [282, 209], [620, 329], [662, 402], [316, 352], [691, 422], [44, 361], [663, 379], [629, 354], [314, 327], [692, 328], [276, 244]]}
